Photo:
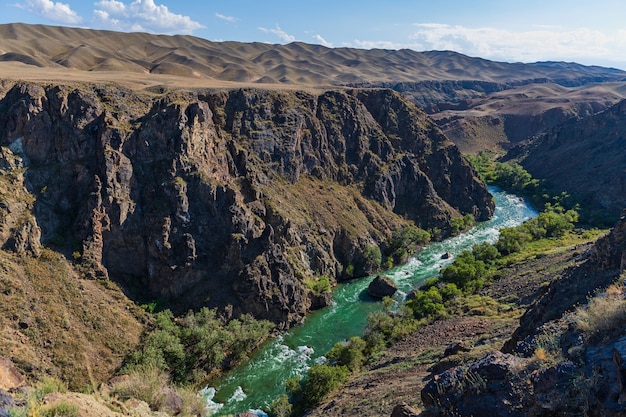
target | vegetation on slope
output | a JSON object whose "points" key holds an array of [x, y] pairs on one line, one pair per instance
{"points": [[56, 324], [454, 292], [191, 348]]}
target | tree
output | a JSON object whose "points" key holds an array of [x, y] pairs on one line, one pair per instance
{"points": [[427, 304], [467, 272], [373, 258], [349, 353], [405, 241], [321, 381]]}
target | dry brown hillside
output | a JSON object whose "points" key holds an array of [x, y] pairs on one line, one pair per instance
{"points": [[56, 48], [480, 104]]}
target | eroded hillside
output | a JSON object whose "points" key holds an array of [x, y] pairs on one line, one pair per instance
{"points": [[226, 197], [584, 157]]}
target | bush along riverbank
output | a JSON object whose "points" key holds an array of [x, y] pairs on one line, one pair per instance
{"points": [[455, 292]]}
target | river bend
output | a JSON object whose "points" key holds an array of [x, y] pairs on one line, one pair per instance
{"points": [[260, 380]]}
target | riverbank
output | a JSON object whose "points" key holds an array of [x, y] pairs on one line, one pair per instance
{"points": [[258, 382], [401, 373]]}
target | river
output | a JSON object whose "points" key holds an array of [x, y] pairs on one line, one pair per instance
{"points": [[259, 381]]}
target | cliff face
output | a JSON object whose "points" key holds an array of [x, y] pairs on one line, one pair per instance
{"points": [[585, 158], [225, 197]]}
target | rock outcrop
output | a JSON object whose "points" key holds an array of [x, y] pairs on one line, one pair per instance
{"points": [[404, 410], [224, 197], [10, 377], [585, 158], [597, 269], [382, 286], [560, 361]]}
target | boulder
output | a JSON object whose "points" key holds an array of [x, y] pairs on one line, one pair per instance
{"points": [[454, 348], [479, 389], [10, 377], [6, 402], [404, 410], [382, 286], [172, 401], [446, 255]]}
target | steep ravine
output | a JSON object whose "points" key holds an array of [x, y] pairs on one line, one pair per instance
{"points": [[225, 197]]}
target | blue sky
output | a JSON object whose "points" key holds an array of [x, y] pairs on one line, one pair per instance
{"points": [[588, 32]]}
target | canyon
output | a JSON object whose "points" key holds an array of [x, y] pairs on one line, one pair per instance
{"points": [[229, 198], [141, 169]]}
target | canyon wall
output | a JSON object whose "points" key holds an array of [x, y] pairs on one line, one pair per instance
{"points": [[221, 197]]}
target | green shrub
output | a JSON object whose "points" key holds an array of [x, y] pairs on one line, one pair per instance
{"points": [[373, 258], [404, 242], [391, 328], [459, 224], [485, 252], [449, 291], [350, 354], [514, 177], [280, 407], [466, 272], [319, 285], [144, 384], [512, 239], [321, 381], [48, 385], [427, 304], [554, 222], [193, 346]]}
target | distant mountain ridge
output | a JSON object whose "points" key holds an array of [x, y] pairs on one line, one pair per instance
{"points": [[294, 63]]}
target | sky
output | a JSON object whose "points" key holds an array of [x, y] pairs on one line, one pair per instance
{"points": [[590, 32]]}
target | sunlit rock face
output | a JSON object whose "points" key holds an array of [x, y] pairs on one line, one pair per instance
{"points": [[226, 197]]}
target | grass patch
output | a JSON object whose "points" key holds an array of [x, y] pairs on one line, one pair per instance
{"points": [[81, 330], [604, 315], [60, 409], [145, 384], [545, 246]]}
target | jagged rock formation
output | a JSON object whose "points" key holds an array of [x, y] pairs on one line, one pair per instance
{"points": [[585, 158], [553, 365], [601, 266], [225, 197]]}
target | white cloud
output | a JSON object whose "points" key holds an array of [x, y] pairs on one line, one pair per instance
{"points": [[323, 41], [376, 44], [536, 44], [142, 16], [229, 19], [284, 36], [55, 11], [542, 43]]}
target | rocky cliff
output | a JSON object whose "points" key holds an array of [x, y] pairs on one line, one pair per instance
{"points": [[565, 358], [585, 158], [224, 197]]}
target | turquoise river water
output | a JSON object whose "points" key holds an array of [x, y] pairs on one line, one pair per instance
{"points": [[259, 381]]}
